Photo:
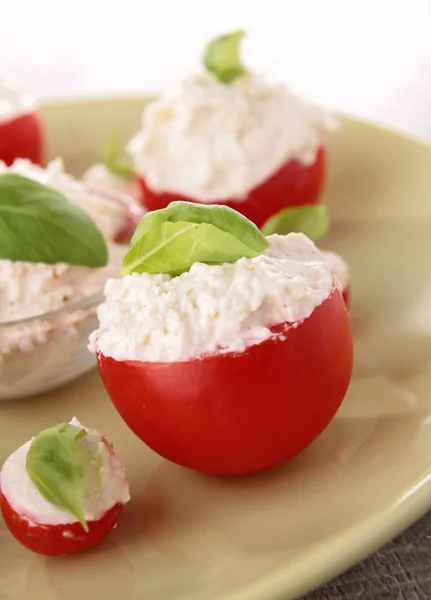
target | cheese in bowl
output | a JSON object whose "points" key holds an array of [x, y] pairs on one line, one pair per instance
{"points": [[60, 241]]}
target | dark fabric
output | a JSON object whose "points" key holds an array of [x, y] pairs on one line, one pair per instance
{"points": [[401, 570]]}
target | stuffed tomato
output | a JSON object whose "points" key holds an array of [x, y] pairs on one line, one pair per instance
{"points": [[241, 142], [21, 134], [63, 491], [230, 368]]}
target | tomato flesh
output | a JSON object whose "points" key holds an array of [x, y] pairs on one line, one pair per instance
{"points": [[57, 539], [293, 184], [22, 137], [240, 413]]}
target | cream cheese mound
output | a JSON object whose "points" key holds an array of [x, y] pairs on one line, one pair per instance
{"points": [[212, 308], [13, 103], [210, 142], [104, 483]]}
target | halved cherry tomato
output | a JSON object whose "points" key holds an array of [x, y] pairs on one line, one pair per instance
{"points": [[58, 539], [292, 185], [21, 137], [237, 413]]}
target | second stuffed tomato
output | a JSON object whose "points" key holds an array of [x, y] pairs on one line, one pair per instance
{"points": [[227, 136], [231, 368]]}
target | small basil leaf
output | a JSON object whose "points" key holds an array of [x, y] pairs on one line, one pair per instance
{"points": [[222, 59], [39, 224], [222, 217], [54, 465], [310, 219], [116, 164], [171, 240], [173, 248]]}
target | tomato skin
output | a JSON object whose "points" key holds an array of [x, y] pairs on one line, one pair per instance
{"points": [[292, 185], [51, 539], [232, 413], [22, 137]]}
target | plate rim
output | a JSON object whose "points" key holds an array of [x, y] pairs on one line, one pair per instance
{"points": [[413, 504]]}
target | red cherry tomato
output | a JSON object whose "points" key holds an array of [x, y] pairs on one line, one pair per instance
{"points": [[237, 413], [21, 137], [292, 185], [58, 539]]}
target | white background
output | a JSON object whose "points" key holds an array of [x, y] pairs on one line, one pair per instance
{"points": [[371, 58]]}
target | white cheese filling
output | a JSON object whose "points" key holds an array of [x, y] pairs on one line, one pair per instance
{"points": [[104, 483], [218, 308], [209, 141], [13, 103]]}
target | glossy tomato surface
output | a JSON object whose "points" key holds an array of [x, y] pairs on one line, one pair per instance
{"points": [[240, 413], [21, 137], [58, 539], [293, 184]]}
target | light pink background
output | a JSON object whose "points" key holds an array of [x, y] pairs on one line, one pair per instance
{"points": [[371, 58]]}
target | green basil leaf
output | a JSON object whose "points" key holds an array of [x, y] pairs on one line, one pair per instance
{"points": [[171, 240], [39, 224], [222, 59], [222, 217], [54, 465], [310, 219], [118, 165]]}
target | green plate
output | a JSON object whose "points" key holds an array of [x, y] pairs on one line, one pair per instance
{"points": [[279, 534]]}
